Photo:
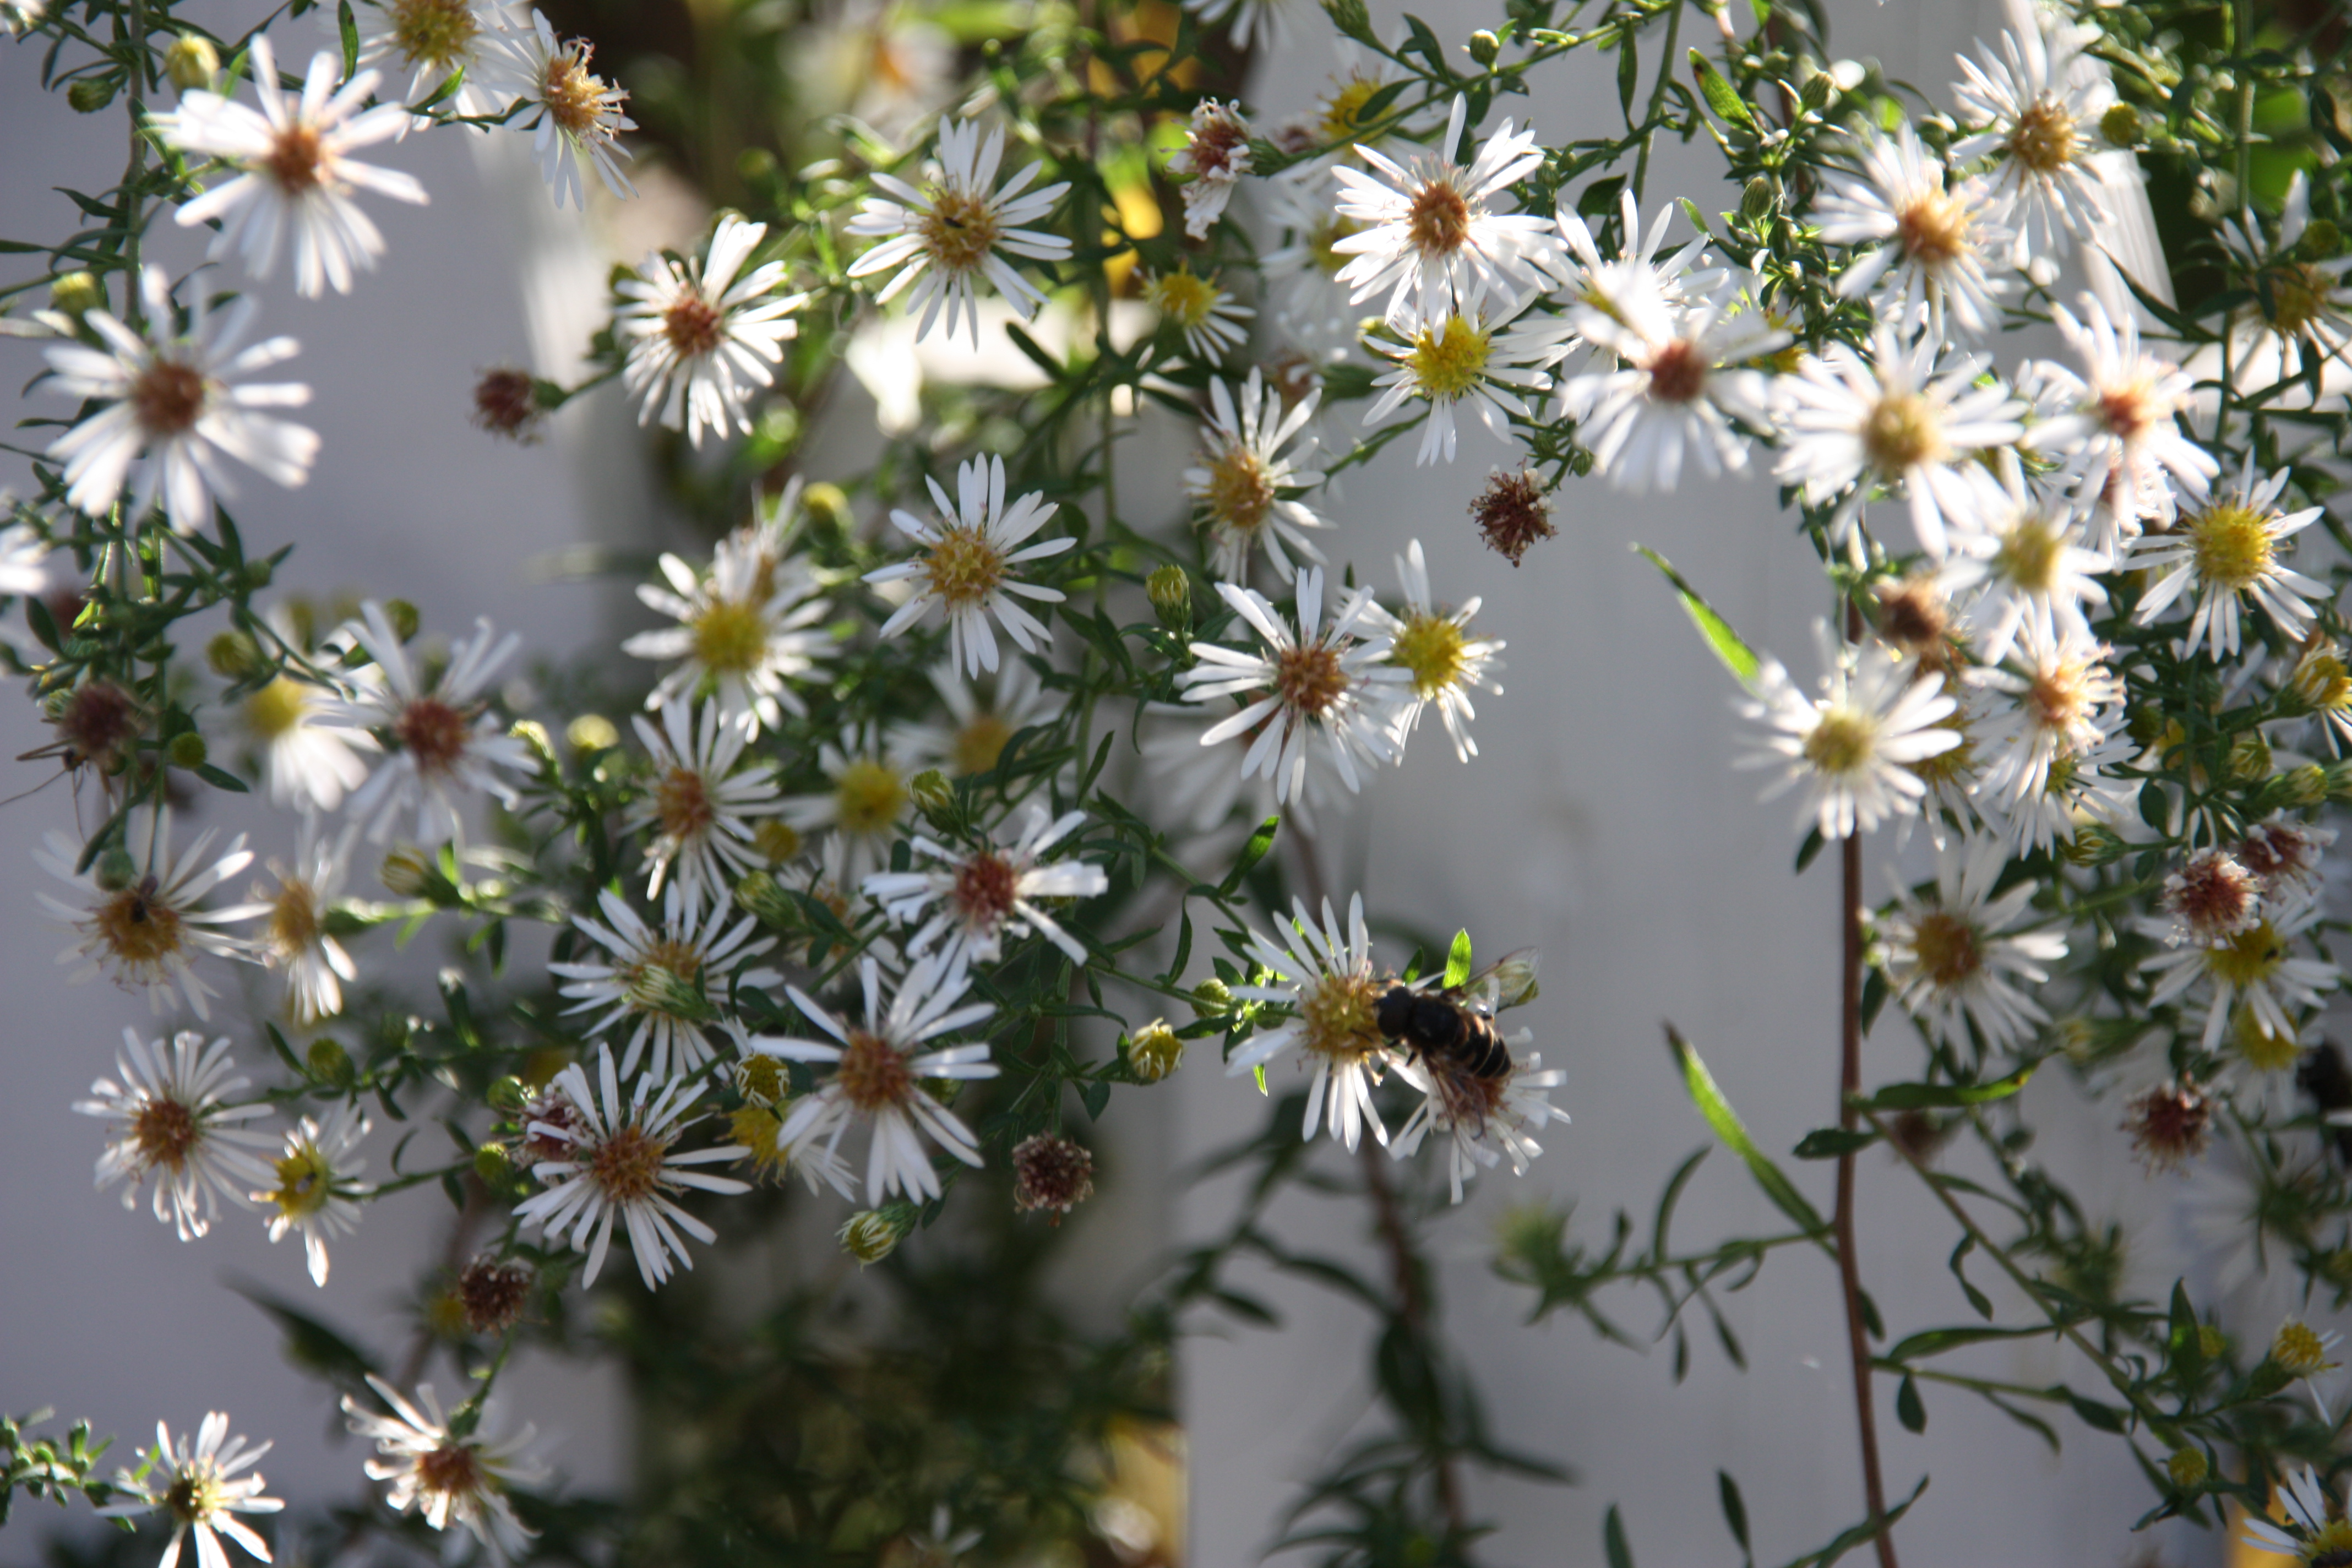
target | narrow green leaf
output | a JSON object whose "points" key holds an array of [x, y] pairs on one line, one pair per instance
{"points": [[1736, 656], [1735, 1509], [1977, 1298], [1947, 1096], [1252, 853], [1721, 96], [2105, 1418], [1628, 76], [1935, 1342], [220, 778], [1457, 961], [1096, 1098], [1613, 1540], [1908, 1408], [1036, 352], [1829, 1143], [349, 27], [1727, 1126], [1809, 850]]}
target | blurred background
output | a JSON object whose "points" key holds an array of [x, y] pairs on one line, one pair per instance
{"points": [[1603, 823]]}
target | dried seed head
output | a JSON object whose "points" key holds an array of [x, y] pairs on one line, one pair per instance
{"points": [[506, 403], [494, 1293], [1513, 513], [2169, 1125], [1051, 1172]]}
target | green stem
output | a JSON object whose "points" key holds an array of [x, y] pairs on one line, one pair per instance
{"points": [[1657, 102]]}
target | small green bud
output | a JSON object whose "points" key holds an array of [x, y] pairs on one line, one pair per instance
{"points": [[761, 895], [1484, 46], [1211, 998], [260, 574], [2120, 125], [2250, 757], [77, 294], [407, 873], [2146, 724], [1153, 1051], [1758, 199], [828, 506], [116, 869], [1818, 88], [873, 1234], [2304, 786], [508, 1095], [755, 164], [2094, 844], [1352, 17], [591, 732], [232, 656], [495, 1166], [533, 733], [192, 63], [2210, 1340], [188, 750], [2321, 240], [1580, 462], [403, 617], [934, 796], [1170, 589], [92, 93], [330, 1063], [2187, 1467]]}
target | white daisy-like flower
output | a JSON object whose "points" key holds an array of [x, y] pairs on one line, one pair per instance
{"points": [[2226, 550], [175, 405], [1215, 155], [2062, 700], [2323, 681], [1683, 377], [2210, 898], [977, 728], [148, 931], [2083, 786], [976, 897], [1954, 960], [445, 1476], [1211, 322], [878, 1072], [432, 40], [311, 965], [1932, 238], [2253, 971], [1325, 977], [1431, 239], [2023, 553], [2120, 417], [621, 1162], [2285, 854], [201, 1485], [1266, 22], [1200, 787], [1486, 1120], [1302, 274], [665, 981], [305, 760], [1437, 648], [1482, 361], [1851, 746], [1237, 486], [296, 175], [699, 337], [24, 554], [574, 114], [1596, 282], [444, 743], [958, 229], [2033, 108], [2300, 304], [702, 808], [315, 1187], [172, 1122], [746, 629], [869, 799], [1324, 687], [1898, 419], [2311, 1534], [966, 569]]}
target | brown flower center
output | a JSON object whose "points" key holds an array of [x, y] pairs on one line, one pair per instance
{"points": [[682, 805], [958, 231], [692, 324], [964, 566], [1933, 229], [985, 887], [169, 397], [296, 159], [575, 97], [1948, 949], [1241, 489], [2212, 894], [1439, 219], [2128, 411], [433, 732], [138, 926], [194, 1495], [294, 919], [874, 1074], [450, 1470], [2059, 697], [1679, 371], [1310, 679], [627, 1165], [166, 1133]]}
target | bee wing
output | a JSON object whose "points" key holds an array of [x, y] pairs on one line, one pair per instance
{"points": [[1510, 981]]}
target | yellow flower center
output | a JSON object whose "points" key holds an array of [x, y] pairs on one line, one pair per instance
{"points": [[2231, 545], [776, 841], [2298, 1348], [2045, 140], [294, 919], [2029, 554], [575, 97], [432, 32], [958, 231], [1431, 646], [1183, 299], [964, 566], [195, 1495], [2264, 1051], [2250, 957], [137, 926], [1901, 433], [305, 1181], [1843, 742], [277, 708], [1339, 1015], [731, 636], [874, 1074], [979, 743], [2331, 1547], [1948, 949], [868, 797], [1933, 229], [2324, 682], [627, 1165], [759, 1129], [296, 159], [2299, 295], [2056, 698], [1343, 110], [1323, 242], [1241, 489], [1445, 370]]}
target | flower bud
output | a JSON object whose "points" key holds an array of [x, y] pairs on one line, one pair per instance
{"points": [[116, 869], [776, 840], [407, 873], [1484, 46], [1171, 589], [2210, 1340], [232, 656], [1153, 1052], [873, 1234], [330, 1063], [1758, 199], [2094, 844], [403, 617], [2321, 240], [495, 1166], [591, 732], [188, 750], [1211, 998], [2120, 124], [2303, 787], [1352, 17], [1818, 88], [2187, 1467], [77, 293], [761, 895], [92, 93], [828, 506], [508, 1095], [934, 797], [192, 63]]}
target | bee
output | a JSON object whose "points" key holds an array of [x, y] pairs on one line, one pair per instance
{"points": [[1452, 1034]]}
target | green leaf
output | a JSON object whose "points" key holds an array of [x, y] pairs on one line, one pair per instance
{"points": [[348, 26], [1908, 1408], [1935, 1342], [1721, 96], [1735, 1509], [1457, 961], [1977, 1298], [1945, 1095], [1096, 1098], [1252, 853], [1736, 656], [220, 778], [1810, 849], [44, 625], [1030, 346], [1629, 75], [1830, 1142], [1613, 1540], [2105, 1418], [1727, 1126]]}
